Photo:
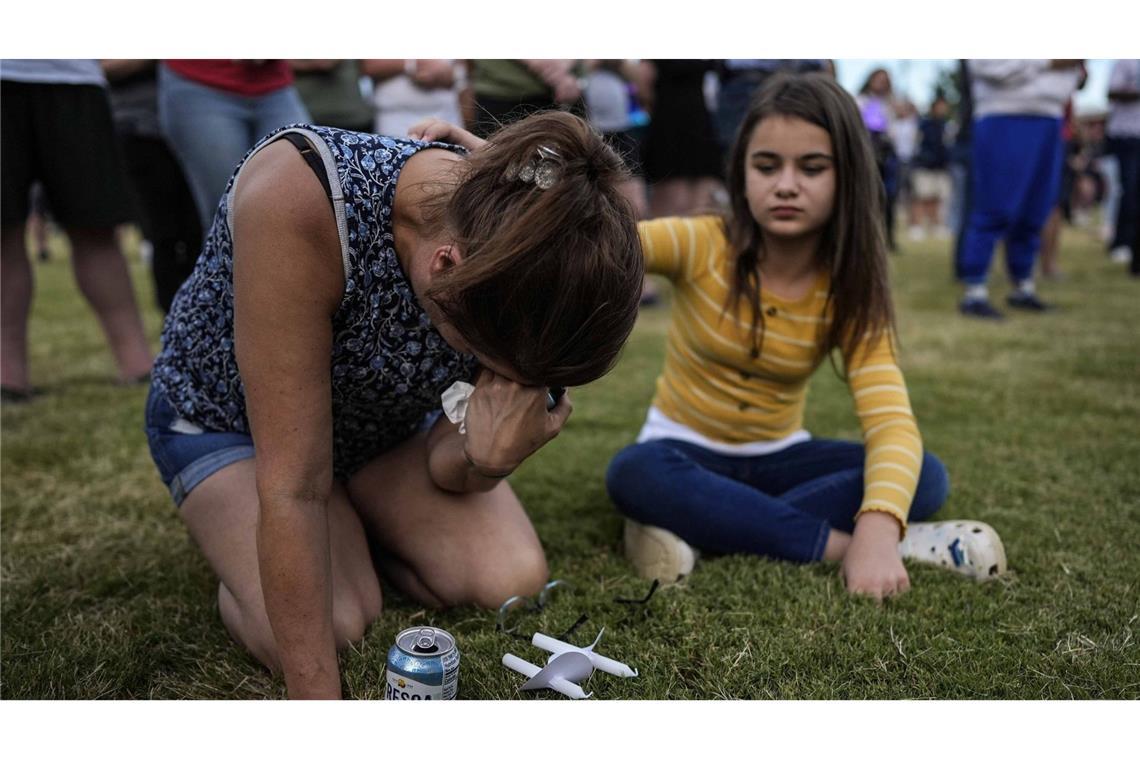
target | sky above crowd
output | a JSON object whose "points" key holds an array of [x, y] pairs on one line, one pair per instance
{"points": [[916, 79]]}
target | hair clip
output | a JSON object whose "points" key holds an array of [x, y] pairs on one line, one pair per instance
{"points": [[543, 171]]}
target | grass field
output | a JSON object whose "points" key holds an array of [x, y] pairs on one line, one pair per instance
{"points": [[1037, 419]]}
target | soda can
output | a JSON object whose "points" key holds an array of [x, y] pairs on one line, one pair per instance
{"points": [[423, 664]]}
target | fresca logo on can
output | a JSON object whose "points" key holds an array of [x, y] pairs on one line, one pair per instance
{"points": [[423, 664]]}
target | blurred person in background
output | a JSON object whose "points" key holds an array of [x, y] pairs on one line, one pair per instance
{"points": [[506, 90], [740, 78], [876, 106], [406, 91], [682, 156], [1072, 163], [164, 206], [212, 111], [39, 222], [930, 178], [958, 210], [612, 108], [1016, 165], [56, 127], [905, 136], [330, 90], [1123, 131]]}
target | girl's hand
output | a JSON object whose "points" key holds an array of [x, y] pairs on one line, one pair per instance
{"points": [[507, 422], [872, 564], [438, 130]]}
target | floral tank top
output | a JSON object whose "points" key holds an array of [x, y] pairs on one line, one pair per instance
{"points": [[389, 365]]}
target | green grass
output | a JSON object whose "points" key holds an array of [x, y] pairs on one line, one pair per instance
{"points": [[1037, 419]]}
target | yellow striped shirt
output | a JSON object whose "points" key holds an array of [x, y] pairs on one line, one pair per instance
{"points": [[712, 384]]}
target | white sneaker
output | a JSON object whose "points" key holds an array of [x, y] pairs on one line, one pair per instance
{"points": [[657, 554], [968, 547], [917, 233], [1121, 254]]}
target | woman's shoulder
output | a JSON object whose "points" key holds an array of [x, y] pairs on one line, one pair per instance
{"points": [[374, 149]]}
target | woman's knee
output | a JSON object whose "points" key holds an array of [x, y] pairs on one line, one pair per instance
{"points": [[933, 488], [526, 576], [491, 582]]}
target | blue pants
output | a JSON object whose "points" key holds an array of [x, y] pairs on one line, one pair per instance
{"points": [[780, 505], [1016, 169], [211, 130], [1127, 153]]}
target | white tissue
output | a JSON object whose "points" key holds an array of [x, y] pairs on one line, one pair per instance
{"points": [[455, 403]]}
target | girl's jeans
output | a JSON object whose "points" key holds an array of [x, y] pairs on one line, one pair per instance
{"points": [[780, 505]]}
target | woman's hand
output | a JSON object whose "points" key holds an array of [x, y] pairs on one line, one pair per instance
{"points": [[507, 422], [872, 565], [438, 130]]}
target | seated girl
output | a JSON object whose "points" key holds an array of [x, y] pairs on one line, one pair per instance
{"points": [[795, 271]]}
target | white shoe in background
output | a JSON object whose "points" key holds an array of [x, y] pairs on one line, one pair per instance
{"points": [[1121, 254]]}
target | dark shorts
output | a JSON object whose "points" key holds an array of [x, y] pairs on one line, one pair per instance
{"points": [[184, 453], [61, 135]]}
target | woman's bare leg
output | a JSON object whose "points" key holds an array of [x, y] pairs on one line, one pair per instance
{"points": [[222, 515], [444, 548]]}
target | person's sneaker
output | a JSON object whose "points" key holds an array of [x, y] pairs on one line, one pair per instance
{"points": [[657, 554], [968, 547], [1027, 302], [1121, 254], [980, 308]]}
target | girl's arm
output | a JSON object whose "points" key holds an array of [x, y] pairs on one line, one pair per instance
{"points": [[288, 281], [673, 245], [890, 472]]}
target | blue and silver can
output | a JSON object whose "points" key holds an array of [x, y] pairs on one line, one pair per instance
{"points": [[423, 664]]}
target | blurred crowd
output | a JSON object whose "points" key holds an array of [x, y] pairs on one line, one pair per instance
{"points": [[158, 141]]}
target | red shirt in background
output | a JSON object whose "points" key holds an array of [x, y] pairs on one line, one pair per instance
{"points": [[238, 77]]}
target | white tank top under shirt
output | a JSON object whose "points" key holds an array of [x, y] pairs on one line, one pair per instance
{"points": [[657, 426]]}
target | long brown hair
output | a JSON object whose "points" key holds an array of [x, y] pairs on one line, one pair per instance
{"points": [[550, 279], [851, 248]]}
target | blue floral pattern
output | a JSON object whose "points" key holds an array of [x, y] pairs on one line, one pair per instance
{"points": [[389, 364]]}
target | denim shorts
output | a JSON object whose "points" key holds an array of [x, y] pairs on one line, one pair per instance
{"points": [[184, 453]]}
